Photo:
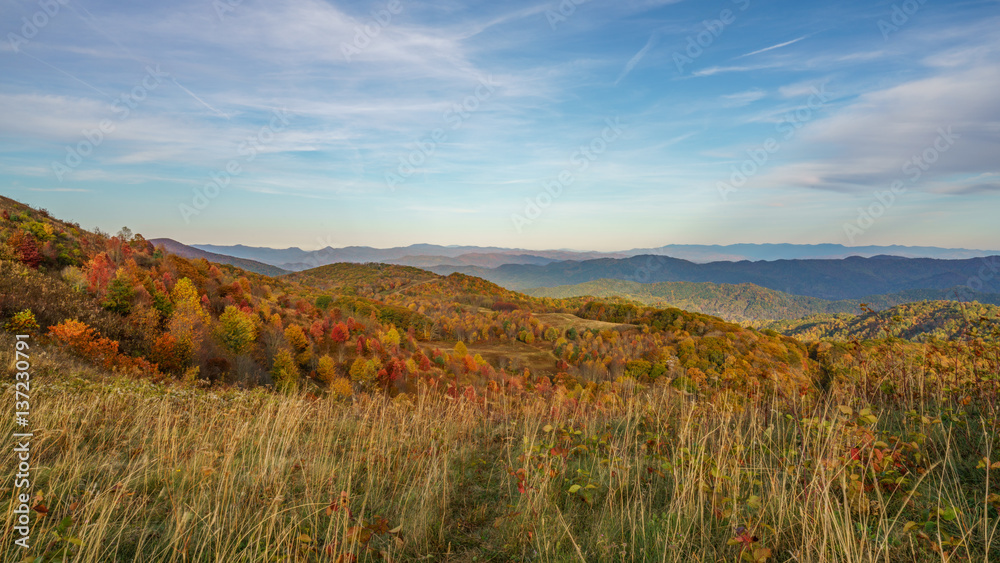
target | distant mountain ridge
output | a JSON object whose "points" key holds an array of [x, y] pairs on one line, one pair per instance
{"points": [[430, 255], [849, 278], [423, 255], [736, 252]]}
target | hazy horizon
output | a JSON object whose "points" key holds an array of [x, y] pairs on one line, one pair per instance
{"points": [[582, 250]]}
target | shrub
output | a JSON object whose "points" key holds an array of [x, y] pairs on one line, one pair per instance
{"points": [[170, 354], [26, 249], [22, 322], [87, 343]]}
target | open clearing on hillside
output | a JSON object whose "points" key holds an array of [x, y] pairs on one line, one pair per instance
{"points": [[516, 356], [564, 321], [512, 356]]}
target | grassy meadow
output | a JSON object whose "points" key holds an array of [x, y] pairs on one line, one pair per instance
{"points": [[125, 469]]}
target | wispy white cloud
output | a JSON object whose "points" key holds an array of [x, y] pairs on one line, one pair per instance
{"points": [[636, 58], [741, 99], [713, 70], [772, 47], [866, 144]]}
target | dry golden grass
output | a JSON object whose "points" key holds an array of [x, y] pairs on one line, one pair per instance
{"points": [[566, 321], [153, 473]]}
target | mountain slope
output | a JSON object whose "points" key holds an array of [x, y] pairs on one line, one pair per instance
{"points": [[180, 249]]}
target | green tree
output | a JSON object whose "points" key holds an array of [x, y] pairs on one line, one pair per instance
{"points": [[120, 293], [236, 330]]}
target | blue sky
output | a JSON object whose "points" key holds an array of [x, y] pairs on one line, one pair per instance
{"points": [[122, 113]]}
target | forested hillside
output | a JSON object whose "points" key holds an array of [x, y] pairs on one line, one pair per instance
{"points": [[921, 321], [746, 303], [349, 328]]}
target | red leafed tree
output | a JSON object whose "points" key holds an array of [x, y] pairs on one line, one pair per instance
{"points": [[99, 271], [422, 361], [340, 333], [318, 330]]}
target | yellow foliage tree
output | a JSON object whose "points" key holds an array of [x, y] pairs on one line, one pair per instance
{"points": [[326, 369], [285, 372], [299, 342], [189, 320], [391, 339], [341, 387]]}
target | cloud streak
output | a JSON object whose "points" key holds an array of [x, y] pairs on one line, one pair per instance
{"points": [[773, 47]]}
